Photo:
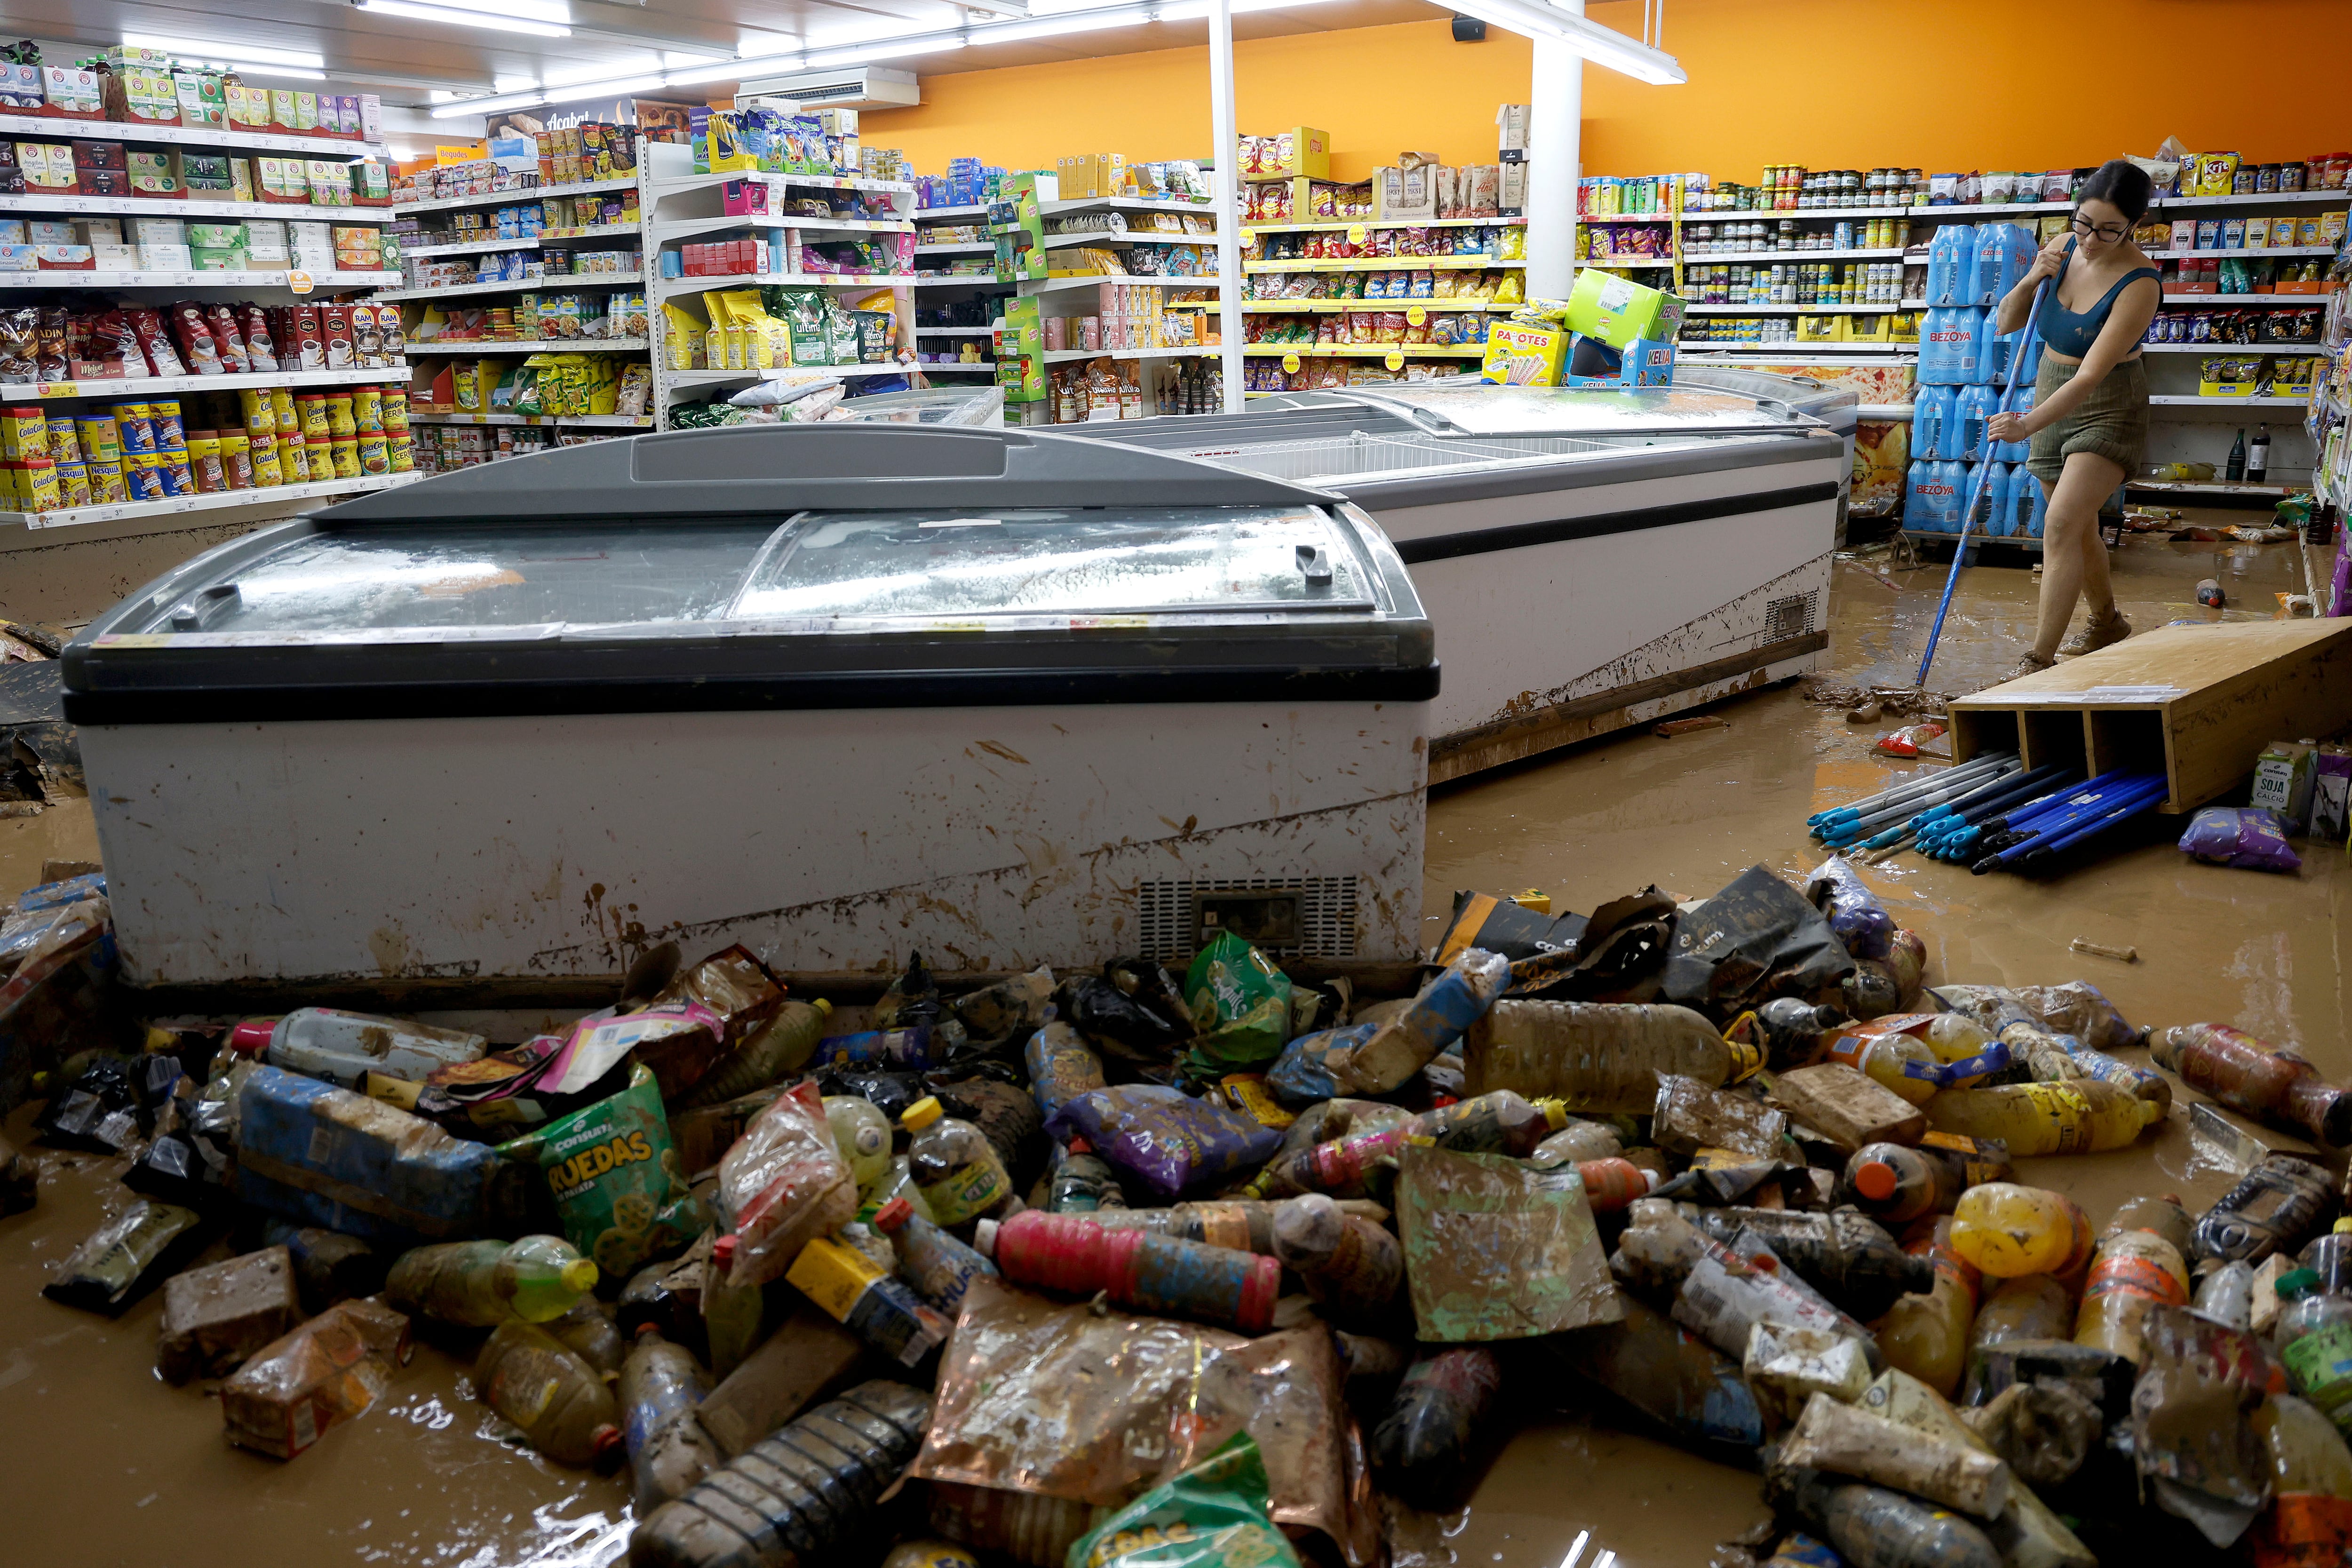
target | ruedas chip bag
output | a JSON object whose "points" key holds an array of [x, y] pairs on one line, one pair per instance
{"points": [[615, 1176]]}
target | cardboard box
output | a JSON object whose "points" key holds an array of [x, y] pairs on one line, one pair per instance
{"points": [[1514, 199], [206, 177], [306, 113], [48, 168], [156, 172], [1525, 354], [2283, 782], [1644, 363], [165, 258], [1511, 132], [281, 108], [1091, 174], [71, 93], [159, 231], [20, 90], [1403, 195], [1619, 311], [64, 258], [143, 94], [116, 257], [19, 259]]}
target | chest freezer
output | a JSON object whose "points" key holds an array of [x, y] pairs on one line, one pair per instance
{"points": [[837, 691], [1590, 559]]}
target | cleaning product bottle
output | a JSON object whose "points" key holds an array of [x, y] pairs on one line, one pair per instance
{"points": [[850, 1285], [1885, 1058], [1156, 1274], [2244, 1074], [525, 1374], [2007, 1230], [955, 1167], [938, 1265], [660, 1383], [2274, 1208], [480, 1283], [344, 1048], [1926, 1334], [2079, 1117], [863, 1133], [1894, 1185], [781, 1046], [2134, 1270], [1350, 1265]]}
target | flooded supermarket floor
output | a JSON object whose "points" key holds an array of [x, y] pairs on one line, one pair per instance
{"points": [[111, 1466]]}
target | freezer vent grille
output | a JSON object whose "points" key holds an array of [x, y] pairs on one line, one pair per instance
{"points": [[1169, 915], [1789, 617]]}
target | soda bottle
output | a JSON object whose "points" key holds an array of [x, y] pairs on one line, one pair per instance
{"points": [[938, 1266], [955, 1167], [1155, 1274], [1350, 1265], [590, 1331], [1896, 1184], [2330, 1258], [2272, 1209], [2313, 1337], [1421, 1443], [2081, 1117], [2007, 1230], [2159, 1213], [781, 1047], [481, 1283], [2307, 1453], [1885, 1058], [2242, 1073], [863, 1133], [2132, 1270], [778, 1490], [660, 1385], [1792, 1031], [1926, 1334], [1845, 1256], [527, 1375], [344, 1048]]}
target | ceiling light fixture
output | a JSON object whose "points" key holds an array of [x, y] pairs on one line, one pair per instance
{"points": [[491, 105], [612, 87], [420, 11], [1600, 44], [246, 54]]}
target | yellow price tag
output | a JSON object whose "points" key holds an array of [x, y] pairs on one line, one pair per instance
{"points": [[1356, 233], [1415, 316], [1394, 360], [1290, 362], [298, 281], [60, 389]]}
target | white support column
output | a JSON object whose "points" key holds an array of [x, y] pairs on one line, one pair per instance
{"points": [[1229, 175], [1555, 123]]}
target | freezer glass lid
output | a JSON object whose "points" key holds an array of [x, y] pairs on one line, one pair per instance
{"points": [[1089, 561], [1483, 409]]}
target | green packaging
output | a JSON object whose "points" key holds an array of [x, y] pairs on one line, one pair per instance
{"points": [[615, 1176], [1241, 1004], [1214, 1515]]}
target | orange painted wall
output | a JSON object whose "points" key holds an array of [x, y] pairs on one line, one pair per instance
{"points": [[1828, 84]]}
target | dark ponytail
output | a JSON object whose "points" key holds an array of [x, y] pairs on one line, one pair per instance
{"points": [[2122, 184]]}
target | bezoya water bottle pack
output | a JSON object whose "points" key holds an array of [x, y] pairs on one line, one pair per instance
{"points": [[1962, 365]]}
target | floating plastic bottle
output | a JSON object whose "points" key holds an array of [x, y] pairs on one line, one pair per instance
{"points": [[1872, 1527], [1422, 1442], [1860, 921], [813, 1486], [1350, 1265], [1894, 1185], [863, 1133], [482, 1283], [2006, 1230], [1846, 1256], [527, 1375], [2274, 1208], [1446, 1006], [938, 1265], [1153, 1273], [660, 1385], [781, 1047], [2081, 1117], [2244, 1074], [1926, 1334], [955, 1167], [1594, 1057], [2134, 1270], [344, 1048], [1896, 1062]]}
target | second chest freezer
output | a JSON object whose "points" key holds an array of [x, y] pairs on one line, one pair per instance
{"points": [[837, 691]]}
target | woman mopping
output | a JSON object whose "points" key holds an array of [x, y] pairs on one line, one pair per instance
{"points": [[2089, 418]]}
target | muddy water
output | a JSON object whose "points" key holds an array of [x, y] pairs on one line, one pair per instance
{"points": [[109, 1465]]}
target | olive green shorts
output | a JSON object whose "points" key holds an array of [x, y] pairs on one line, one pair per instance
{"points": [[2112, 421]]}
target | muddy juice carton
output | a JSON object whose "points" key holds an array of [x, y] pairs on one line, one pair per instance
{"points": [[2283, 782]]}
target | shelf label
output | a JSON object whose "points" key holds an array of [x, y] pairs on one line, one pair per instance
{"points": [[60, 389], [1290, 362], [1415, 316], [298, 281], [1393, 359]]}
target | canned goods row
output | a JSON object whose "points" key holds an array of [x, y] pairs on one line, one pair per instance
{"points": [[1797, 283], [1787, 234]]}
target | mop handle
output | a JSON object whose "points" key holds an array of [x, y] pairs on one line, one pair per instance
{"points": [[1976, 487]]}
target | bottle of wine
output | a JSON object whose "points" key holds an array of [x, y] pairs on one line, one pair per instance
{"points": [[2258, 456], [2236, 472]]}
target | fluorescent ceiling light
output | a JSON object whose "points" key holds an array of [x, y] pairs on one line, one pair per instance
{"points": [[601, 70], [468, 106], [456, 18], [885, 49], [613, 87], [300, 60], [552, 11], [498, 84], [1600, 44]]}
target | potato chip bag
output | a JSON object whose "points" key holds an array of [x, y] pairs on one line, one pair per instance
{"points": [[615, 1176]]}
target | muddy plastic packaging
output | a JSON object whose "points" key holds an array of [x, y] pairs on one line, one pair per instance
{"points": [[1720, 1290], [1872, 1527], [1844, 1440], [2027, 1533], [1860, 921], [1896, 1184], [1240, 1005], [2313, 1338], [1846, 1107], [344, 1048], [1164, 1139], [1845, 1256], [938, 1265], [808, 1356], [1926, 1334], [1351, 1266], [777, 1048], [1214, 1515], [19, 1180], [2081, 1009], [2082, 1117], [2006, 1230], [1121, 1023], [483, 1283], [129, 1256], [1149, 1273], [1670, 1376], [328, 1267], [532, 1379], [1422, 1443], [796, 1497], [215, 1317], [325, 1156], [2244, 839], [2227, 1295], [615, 1178], [1593, 1057], [2274, 1208], [329, 1369], [2133, 1271], [660, 1385], [2241, 1072], [2191, 1433], [1061, 1065], [1027, 1528], [1498, 1250], [955, 1167], [1016, 1005], [783, 1182], [1445, 1008], [102, 1109], [1303, 1075], [1787, 1366], [1687, 1116]]}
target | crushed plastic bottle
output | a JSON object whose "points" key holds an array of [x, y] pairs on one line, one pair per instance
{"points": [[1872, 1527], [529, 1377], [1153, 1273], [1447, 1005], [2244, 1074], [2084, 1117], [483, 1283], [660, 1385], [938, 1265], [2006, 1230], [1351, 1266], [1845, 1256], [955, 1167], [1595, 1056], [2274, 1208], [345, 1047]]}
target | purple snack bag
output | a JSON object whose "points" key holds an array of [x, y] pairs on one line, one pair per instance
{"points": [[2243, 836], [1162, 1138]]}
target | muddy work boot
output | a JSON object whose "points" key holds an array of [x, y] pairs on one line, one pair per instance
{"points": [[2104, 628], [2027, 663]]}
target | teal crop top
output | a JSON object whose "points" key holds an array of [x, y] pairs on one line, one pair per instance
{"points": [[2071, 332]]}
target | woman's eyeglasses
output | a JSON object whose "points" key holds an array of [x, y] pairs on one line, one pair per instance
{"points": [[2110, 232]]}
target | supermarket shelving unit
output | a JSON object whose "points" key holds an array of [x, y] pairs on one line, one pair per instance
{"points": [[944, 288], [1128, 243], [277, 286], [680, 206]]}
